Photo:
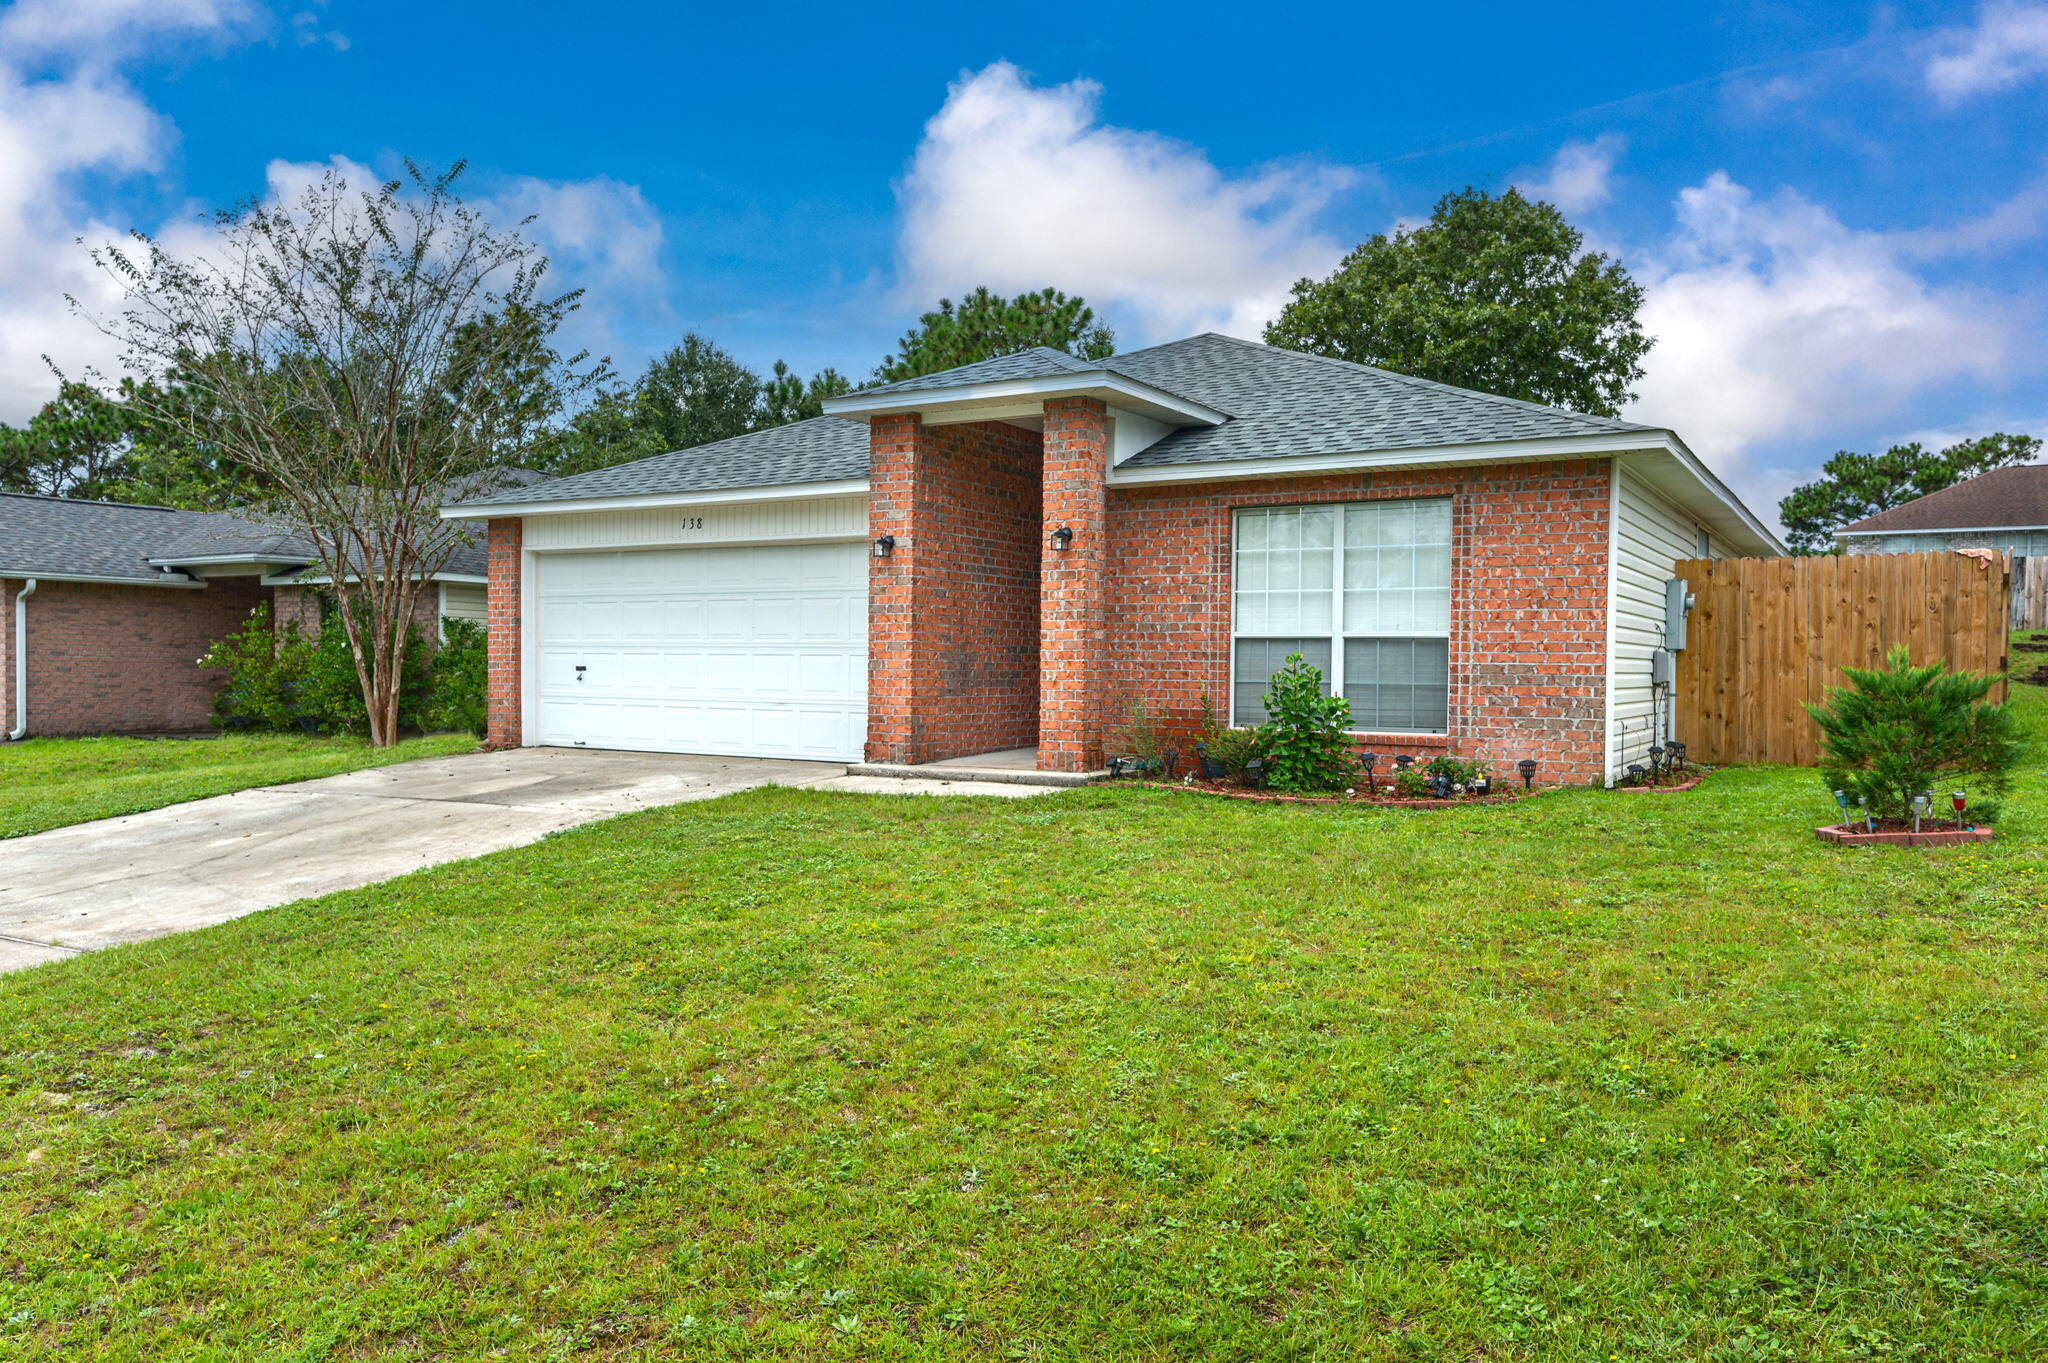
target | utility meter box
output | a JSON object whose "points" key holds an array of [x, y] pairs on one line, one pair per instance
{"points": [[1678, 599], [1663, 668]]}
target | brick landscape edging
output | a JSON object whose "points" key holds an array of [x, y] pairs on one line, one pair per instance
{"points": [[1846, 835]]}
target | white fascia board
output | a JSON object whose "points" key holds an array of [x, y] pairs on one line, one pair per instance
{"points": [[215, 560], [322, 580], [1946, 530], [1485, 452], [778, 492], [167, 580], [1720, 508], [1112, 389]]}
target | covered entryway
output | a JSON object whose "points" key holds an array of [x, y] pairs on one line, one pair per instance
{"points": [[751, 650]]}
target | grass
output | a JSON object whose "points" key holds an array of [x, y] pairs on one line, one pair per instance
{"points": [[1102, 1075], [50, 782]]}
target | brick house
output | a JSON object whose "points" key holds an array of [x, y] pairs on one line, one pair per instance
{"points": [[105, 607], [1009, 555]]}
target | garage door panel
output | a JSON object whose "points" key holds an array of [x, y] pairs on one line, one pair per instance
{"points": [[743, 649]]}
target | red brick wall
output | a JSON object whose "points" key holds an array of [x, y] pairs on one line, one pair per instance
{"points": [[1071, 587], [1528, 604], [501, 625], [953, 611], [112, 659]]}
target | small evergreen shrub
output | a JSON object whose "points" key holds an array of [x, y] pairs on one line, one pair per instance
{"points": [[1306, 750], [1898, 730]]}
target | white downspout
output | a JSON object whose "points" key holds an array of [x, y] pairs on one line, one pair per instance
{"points": [[28, 589]]}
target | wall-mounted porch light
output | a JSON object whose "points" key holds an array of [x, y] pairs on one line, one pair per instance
{"points": [[1063, 538], [883, 545]]}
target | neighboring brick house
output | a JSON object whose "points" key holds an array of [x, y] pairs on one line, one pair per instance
{"points": [[1011, 554], [2004, 509], [105, 609]]}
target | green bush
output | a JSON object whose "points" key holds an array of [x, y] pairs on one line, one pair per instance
{"points": [[1306, 749], [458, 674], [1898, 730], [279, 681]]}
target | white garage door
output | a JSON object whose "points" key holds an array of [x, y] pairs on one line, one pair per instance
{"points": [[755, 650]]}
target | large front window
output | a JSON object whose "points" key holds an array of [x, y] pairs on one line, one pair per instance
{"points": [[1361, 590]]}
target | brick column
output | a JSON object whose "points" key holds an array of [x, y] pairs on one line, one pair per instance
{"points": [[501, 622], [1071, 640], [892, 663]]}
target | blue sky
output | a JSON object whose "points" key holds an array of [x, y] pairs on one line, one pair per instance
{"points": [[1839, 210]]}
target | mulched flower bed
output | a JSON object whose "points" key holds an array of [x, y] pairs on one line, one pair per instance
{"points": [[1899, 833], [1274, 797]]}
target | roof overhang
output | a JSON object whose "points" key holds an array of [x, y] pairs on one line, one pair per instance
{"points": [[1660, 456], [777, 492], [108, 579], [310, 578], [225, 560], [1007, 399], [1936, 530]]}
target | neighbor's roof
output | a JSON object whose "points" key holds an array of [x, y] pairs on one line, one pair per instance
{"points": [[57, 536], [2002, 498], [64, 537]]}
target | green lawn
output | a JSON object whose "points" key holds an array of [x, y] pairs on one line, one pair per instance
{"points": [[1102, 1075], [50, 782]]}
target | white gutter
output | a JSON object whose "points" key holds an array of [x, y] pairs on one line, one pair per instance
{"points": [[28, 589], [646, 501], [165, 580]]}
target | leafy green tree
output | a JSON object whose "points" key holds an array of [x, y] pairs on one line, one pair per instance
{"points": [[78, 445], [1852, 486], [1493, 293], [983, 326], [1898, 730]]}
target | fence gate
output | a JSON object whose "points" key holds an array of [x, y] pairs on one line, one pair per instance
{"points": [[2030, 592], [1767, 634]]}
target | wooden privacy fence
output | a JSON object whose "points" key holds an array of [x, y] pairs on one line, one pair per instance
{"points": [[1767, 634], [2030, 593]]}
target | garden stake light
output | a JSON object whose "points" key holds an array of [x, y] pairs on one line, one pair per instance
{"points": [[1369, 760], [1842, 800], [1527, 767], [1921, 804], [1656, 760], [1958, 801]]}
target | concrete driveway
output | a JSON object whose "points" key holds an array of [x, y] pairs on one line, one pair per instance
{"points": [[185, 866]]}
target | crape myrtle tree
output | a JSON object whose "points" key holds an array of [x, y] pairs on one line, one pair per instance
{"points": [[367, 353]]}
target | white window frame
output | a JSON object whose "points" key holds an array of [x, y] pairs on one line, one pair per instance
{"points": [[1335, 676]]}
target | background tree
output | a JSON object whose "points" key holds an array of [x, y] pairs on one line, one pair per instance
{"points": [[983, 326], [333, 346], [1852, 486], [691, 394], [1492, 293], [77, 446]]}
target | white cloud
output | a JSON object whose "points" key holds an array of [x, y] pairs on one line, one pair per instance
{"points": [[1774, 321], [2007, 46], [72, 120], [1020, 187], [1580, 176]]}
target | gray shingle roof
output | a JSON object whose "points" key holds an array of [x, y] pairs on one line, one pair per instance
{"points": [[86, 539], [1284, 403], [1280, 403], [821, 450], [2014, 495], [1035, 363]]}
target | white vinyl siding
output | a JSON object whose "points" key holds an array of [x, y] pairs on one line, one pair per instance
{"points": [[462, 601], [1362, 590], [1650, 537]]}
